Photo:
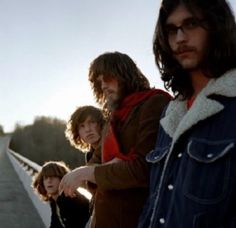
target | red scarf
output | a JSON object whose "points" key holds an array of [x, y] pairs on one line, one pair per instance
{"points": [[111, 147], [190, 102]]}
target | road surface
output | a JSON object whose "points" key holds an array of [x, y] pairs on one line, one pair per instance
{"points": [[16, 208]]}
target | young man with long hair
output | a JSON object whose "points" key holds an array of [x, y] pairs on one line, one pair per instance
{"points": [[66, 212], [193, 172], [133, 110]]}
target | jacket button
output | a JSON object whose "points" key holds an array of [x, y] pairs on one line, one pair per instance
{"points": [[162, 220], [209, 155], [179, 155], [170, 187]]}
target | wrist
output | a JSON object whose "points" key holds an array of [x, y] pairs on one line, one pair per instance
{"points": [[89, 173]]}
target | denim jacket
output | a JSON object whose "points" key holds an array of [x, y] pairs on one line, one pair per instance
{"points": [[193, 165]]}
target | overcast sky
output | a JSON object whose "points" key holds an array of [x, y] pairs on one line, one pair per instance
{"points": [[47, 46]]}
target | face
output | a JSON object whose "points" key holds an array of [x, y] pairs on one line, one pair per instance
{"points": [[110, 88], [90, 131], [187, 39], [51, 185]]}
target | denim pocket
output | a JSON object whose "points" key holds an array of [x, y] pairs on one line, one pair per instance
{"points": [[208, 170], [157, 154]]}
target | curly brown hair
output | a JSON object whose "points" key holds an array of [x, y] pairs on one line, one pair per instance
{"points": [[120, 66], [78, 117], [49, 169]]}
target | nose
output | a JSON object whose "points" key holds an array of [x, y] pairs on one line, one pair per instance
{"points": [[103, 84], [180, 35], [87, 127]]}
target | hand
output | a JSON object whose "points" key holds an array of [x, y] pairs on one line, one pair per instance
{"points": [[114, 160], [76, 178]]}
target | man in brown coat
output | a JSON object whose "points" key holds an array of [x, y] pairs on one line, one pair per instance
{"points": [[120, 170]]}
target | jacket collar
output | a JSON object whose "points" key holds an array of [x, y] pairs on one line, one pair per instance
{"points": [[178, 119]]}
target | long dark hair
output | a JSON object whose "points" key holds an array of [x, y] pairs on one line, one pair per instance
{"points": [[220, 56], [49, 169], [120, 66]]}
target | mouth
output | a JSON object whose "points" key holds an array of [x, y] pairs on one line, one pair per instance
{"points": [[183, 51], [184, 54], [90, 136], [49, 186], [108, 93]]}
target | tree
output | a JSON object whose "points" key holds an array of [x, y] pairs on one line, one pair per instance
{"points": [[1, 130], [45, 140]]}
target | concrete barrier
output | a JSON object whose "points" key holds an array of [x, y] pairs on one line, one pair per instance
{"points": [[25, 170]]}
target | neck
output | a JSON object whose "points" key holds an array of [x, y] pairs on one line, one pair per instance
{"points": [[95, 145], [55, 196], [111, 106], [199, 81]]}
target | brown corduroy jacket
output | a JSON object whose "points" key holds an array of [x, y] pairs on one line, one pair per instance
{"points": [[122, 187]]}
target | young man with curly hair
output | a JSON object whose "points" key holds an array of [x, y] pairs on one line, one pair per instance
{"points": [[84, 129]]}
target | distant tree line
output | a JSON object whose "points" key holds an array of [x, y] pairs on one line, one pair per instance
{"points": [[1, 130], [45, 140]]}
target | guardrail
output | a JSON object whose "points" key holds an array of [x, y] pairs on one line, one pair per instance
{"points": [[25, 170]]}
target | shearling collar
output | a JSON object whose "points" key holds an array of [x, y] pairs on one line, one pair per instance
{"points": [[177, 119]]}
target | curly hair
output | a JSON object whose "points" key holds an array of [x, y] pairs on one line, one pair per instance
{"points": [[220, 56], [120, 66], [49, 169], [78, 117]]}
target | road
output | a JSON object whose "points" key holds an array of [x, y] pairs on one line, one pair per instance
{"points": [[16, 208]]}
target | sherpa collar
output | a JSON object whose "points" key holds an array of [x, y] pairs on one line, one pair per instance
{"points": [[177, 119]]}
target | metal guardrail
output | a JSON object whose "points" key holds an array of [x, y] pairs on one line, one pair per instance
{"points": [[26, 163], [25, 170]]}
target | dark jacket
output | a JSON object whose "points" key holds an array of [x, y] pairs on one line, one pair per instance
{"points": [[69, 212], [193, 173], [123, 187]]}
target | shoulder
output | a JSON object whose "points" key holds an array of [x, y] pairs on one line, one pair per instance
{"points": [[79, 201], [160, 98], [156, 102]]}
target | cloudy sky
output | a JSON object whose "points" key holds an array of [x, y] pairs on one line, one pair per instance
{"points": [[47, 46]]}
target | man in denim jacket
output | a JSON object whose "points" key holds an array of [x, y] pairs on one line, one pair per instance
{"points": [[193, 174]]}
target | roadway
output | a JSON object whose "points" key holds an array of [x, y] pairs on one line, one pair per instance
{"points": [[16, 208]]}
